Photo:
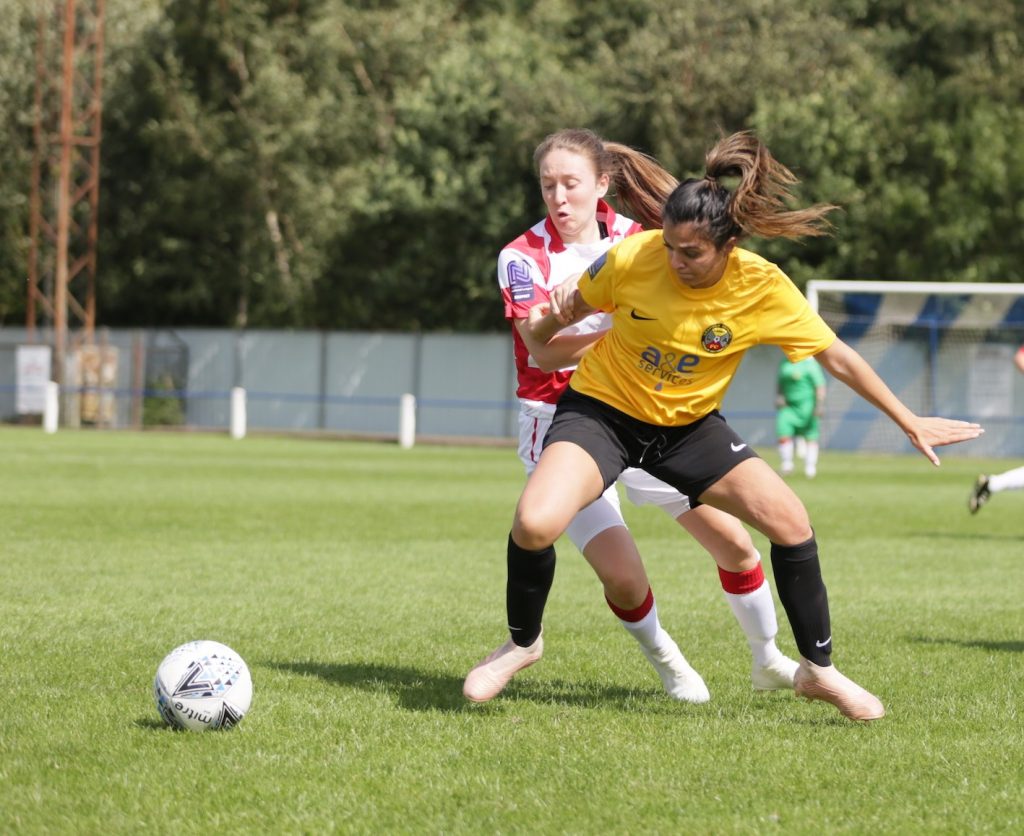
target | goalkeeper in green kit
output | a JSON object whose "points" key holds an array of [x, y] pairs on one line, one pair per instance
{"points": [[800, 401]]}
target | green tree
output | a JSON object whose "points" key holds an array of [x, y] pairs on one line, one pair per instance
{"points": [[456, 181], [920, 144], [17, 85], [320, 163], [220, 165]]}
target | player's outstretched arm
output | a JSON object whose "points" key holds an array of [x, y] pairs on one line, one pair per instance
{"points": [[846, 365]]}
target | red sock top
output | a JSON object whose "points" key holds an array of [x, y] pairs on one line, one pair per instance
{"points": [[637, 614], [740, 583]]}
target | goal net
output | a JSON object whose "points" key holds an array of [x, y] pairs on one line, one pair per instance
{"points": [[944, 348]]}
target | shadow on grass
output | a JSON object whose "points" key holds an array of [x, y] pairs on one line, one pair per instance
{"points": [[980, 644], [420, 690]]}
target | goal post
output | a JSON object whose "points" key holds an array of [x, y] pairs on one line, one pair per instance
{"points": [[945, 348]]}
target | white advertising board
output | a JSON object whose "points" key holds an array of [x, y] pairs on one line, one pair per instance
{"points": [[33, 373]]}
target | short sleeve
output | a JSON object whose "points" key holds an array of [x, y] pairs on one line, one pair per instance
{"points": [[788, 321], [520, 282], [595, 284]]}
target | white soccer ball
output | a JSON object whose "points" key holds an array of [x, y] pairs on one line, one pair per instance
{"points": [[202, 685]]}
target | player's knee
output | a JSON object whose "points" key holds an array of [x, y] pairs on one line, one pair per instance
{"points": [[626, 595], [535, 527], [777, 512], [736, 553], [623, 586], [792, 527]]}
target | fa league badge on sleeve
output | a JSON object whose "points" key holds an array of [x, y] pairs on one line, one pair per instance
{"points": [[716, 338], [520, 283]]}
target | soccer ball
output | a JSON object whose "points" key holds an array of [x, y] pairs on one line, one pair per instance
{"points": [[202, 685]]}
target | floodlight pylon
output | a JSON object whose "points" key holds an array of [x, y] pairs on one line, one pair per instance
{"points": [[64, 198]]}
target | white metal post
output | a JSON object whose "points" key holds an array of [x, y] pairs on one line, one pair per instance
{"points": [[238, 418], [407, 421], [51, 407]]}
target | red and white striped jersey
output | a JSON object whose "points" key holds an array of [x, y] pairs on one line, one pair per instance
{"points": [[528, 269]]}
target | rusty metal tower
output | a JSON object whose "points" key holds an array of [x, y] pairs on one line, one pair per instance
{"points": [[64, 195]]}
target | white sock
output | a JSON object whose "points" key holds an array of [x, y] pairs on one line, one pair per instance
{"points": [[786, 453], [1012, 480], [755, 611], [648, 630], [812, 456], [801, 447]]}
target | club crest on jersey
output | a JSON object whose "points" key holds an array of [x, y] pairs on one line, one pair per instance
{"points": [[520, 285], [716, 338]]}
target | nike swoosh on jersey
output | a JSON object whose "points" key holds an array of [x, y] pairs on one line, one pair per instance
{"points": [[737, 447], [635, 315]]}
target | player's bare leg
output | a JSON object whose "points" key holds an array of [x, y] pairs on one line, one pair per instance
{"points": [[760, 497]]}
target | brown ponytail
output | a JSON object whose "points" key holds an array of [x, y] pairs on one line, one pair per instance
{"points": [[757, 205], [641, 184]]}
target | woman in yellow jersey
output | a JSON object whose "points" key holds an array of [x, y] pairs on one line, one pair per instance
{"points": [[576, 168], [686, 303]]}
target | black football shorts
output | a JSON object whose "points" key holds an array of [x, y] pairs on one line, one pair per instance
{"points": [[690, 458]]}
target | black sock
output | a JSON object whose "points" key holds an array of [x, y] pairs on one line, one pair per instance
{"points": [[803, 596], [530, 575]]}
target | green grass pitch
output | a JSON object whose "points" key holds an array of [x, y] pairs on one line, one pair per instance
{"points": [[361, 581]]}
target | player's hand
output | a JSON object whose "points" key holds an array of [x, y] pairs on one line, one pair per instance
{"points": [[537, 313], [926, 433], [541, 324], [563, 302]]}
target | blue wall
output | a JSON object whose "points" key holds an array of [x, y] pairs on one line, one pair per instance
{"points": [[348, 382]]}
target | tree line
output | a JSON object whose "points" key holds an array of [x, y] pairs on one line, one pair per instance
{"points": [[357, 165]]}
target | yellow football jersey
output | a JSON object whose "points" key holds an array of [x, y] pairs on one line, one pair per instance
{"points": [[673, 350]]}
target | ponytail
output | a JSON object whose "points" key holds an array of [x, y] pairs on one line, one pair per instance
{"points": [[757, 205], [641, 185]]}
